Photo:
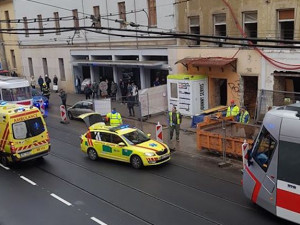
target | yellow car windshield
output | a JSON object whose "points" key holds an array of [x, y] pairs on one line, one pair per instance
{"points": [[136, 137]]}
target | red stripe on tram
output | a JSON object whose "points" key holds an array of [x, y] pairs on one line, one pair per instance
{"points": [[256, 187], [288, 200]]}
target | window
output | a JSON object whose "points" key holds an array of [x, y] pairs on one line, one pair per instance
{"points": [[13, 58], [289, 162], [57, 24], [250, 24], [40, 21], [87, 105], [122, 14], [30, 65], [174, 91], [76, 20], [286, 24], [16, 94], [97, 20], [220, 24], [62, 69], [152, 22], [77, 106], [136, 137], [264, 149], [106, 137], [194, 27], [26, 26], [116, 139], [45, 66], [28, 128], [95, 136], [6, 13]]}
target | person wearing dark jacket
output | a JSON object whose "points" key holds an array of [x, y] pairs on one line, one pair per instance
{"points": [[87, 91], [40, 82], [63, 97], [55, 82], [46, 91], [130, 104], [48, 81]]}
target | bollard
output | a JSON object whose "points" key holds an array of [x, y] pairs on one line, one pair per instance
{"points": [[244, 152], [159, 132], [63, 114], [42, 107]]}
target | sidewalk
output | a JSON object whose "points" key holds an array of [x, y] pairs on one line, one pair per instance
{"points": [[187, 142]]}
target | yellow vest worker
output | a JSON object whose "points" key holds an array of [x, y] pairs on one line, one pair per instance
{"points": [[232, 110], [114, 118], [244, 116]]}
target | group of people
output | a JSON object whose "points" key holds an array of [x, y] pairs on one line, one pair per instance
{"points": [[240, 114], [44, 85], [104, 89]]}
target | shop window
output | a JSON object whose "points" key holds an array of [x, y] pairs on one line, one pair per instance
{"points": [[194, 27], [220, 24], [97, 17], [174, 91], [152, 13], [122, 14], [286, 24], [26, 26], [264, 149], [40, 22], [57, 24], [250, 24]]}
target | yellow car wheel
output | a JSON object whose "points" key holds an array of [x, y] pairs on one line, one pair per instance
{"points": [[92, 154], [136, 162]]}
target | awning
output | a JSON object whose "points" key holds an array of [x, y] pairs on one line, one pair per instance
{"points": [[121, 63], [207, 62]]}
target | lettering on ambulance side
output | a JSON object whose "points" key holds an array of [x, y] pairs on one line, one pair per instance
{"points": [[22, 118]]}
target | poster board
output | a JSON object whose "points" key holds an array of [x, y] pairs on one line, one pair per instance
{"points": [[102, 106]]}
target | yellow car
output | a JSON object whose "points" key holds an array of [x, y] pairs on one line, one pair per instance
{"points": [[124, 144]]}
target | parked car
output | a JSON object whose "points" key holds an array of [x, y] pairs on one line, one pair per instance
{"points": [[85, 82], [80, 108], [36, 98]]}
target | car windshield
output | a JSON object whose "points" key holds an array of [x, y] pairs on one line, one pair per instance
{"points": [[28, 128], [136, 137], [16, 94]]}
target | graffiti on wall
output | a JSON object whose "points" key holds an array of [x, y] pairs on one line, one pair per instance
{"points": [[235, 88]]}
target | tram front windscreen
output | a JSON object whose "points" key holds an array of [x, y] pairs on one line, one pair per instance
{"points": [[289, 162]]}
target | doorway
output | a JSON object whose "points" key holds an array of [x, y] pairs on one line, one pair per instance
{"points": [[86, 73], [220, 90], [250, 93]]}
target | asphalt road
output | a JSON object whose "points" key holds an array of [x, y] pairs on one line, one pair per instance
{"points": [[67, 188]]}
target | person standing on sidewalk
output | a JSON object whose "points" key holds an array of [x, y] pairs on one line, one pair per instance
{"points": [[114, 118], [40, 82], [130, 104], [48, 81], [174, 123], [63, 97], [55, 84], [32, 82], [113, 89]]}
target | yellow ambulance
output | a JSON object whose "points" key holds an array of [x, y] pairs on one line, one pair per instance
{"points": [[23, 134]]}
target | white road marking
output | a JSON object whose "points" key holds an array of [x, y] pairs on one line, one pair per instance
{"points": [[60, 199], [4, 167], [28, 180], [98, 221]]}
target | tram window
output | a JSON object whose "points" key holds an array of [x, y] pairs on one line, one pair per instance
{"points": [[264, 149], [289, 162]]}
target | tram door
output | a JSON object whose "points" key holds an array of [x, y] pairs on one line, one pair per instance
{"points": [[260, 177]]}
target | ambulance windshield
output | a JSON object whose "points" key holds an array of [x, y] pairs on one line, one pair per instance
{"points": [[136, 137], [28, 128], [16, 94]]}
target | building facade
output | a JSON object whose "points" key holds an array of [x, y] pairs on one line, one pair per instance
{"points": [[97, 46], [249, 69]]}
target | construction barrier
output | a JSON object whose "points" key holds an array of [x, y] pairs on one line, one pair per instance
{"points": [[63, 114], [223, 134], [42, 107], [159, 132]]}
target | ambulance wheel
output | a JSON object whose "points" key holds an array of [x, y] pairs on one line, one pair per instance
{"points": [[70, 116], [136, 162], [92, 154], [4, 161]]}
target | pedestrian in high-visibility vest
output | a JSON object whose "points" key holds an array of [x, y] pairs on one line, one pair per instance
{"points": [[244, 116], [114, 118], [174, 123], [232, 110]]}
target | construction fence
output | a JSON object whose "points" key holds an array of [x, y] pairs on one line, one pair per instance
{"points": [[267, 99]]}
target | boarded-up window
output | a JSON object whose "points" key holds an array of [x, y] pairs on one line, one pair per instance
{"points": [[152, 13], [62, 69], [26, 26], [57, 24], [76, 20], [30, 65], [122, 14], [286, 24], [40, 21], [97, 17], [7, 19]]}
